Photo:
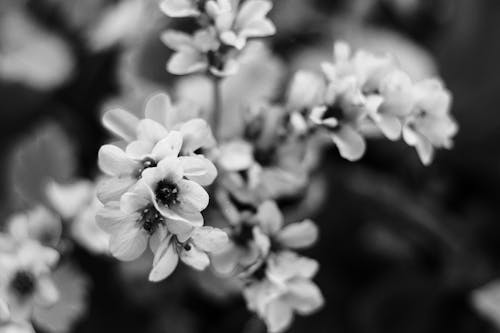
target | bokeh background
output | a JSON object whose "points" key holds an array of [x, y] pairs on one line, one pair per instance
{"points": [[403, 248]]}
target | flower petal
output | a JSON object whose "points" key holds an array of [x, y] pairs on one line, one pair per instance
{"points": [[350, 143], [159, 108], [122, 123], [165, 261], [196, 133], [150, 130], [192, 195], [270, 217], [299, 235], [111, 219], [115, 162], [112, 188], [209, 239], [236, 156], [179, 8], [199, 169], [187, 61], [194, 257], [278, 316], [46, 292], [169, 146], [139, 149], [129, 243]]}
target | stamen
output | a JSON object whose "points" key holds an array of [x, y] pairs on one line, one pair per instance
{"points": [[167, 192], [151, 219]]}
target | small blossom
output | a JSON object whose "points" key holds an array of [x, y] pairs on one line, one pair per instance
{"points": [[284, 288], [125, 168], [197, 53], [254, 235], [193, 252], [25, 282], [430, 126], [235, 25]]}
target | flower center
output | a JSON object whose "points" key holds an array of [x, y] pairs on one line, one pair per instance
{"points": [[147, 162], [23, 283], [243, 234], [167, 192], [151, 219], [334, 111]]}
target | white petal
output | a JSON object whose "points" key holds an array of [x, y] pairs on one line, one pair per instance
{"points": [[170, 168], [391, 126], [196, 133], [258, 28], [199, 169], [187, 62], [177, 40], [304, 296], [270, 217], [121, 123], [128, 244], [47, 293], [179, 8], [209, 239], [236, 156], [305, 90], [150, 130], [194, 257], [251, 11], [114, 162], [169, 146], [139, 149], [191, 194], [350, 143], [299, 235], [112, 188], [111, 219], [165, 262], [278, 316], [132, 202], [159, 108]]}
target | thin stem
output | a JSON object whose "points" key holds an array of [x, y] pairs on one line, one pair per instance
{"points": [[217, 106]]}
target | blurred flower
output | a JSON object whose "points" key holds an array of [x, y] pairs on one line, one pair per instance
{"points": [[430, 125], [486, 300], [77, 204], [181, 8], [31, 54], [38, 224], [253, 235], [281, 287], [236, 24], [193, 251], [25, 282]]}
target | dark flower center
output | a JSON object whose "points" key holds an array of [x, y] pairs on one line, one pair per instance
{"points": [[260, 273], [167, 192], [334, 111], [23, 283], [151, 219], [147, 162], [242, 235]]}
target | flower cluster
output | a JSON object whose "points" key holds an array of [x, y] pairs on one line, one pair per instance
{"points": [[154, 190], [364, 94], [26, 263], [225, 26]]}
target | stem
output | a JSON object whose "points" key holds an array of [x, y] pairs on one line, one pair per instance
{"points": [[217, 106]]}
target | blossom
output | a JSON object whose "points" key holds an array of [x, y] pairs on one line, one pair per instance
{"points": [[193, 252], [429, 125], [197, 53], [236, 24], [283, 286], [253, 235], [25, 282], [161, 116], [125, 168]]}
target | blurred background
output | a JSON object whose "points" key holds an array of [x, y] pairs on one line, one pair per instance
{"points": [[403, 248]]}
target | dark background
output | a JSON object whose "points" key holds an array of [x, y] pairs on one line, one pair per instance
{"points": [[402, 245]]}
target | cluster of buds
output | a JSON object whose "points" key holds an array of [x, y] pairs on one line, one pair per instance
{"points": [[225, 26], [364, 94]]}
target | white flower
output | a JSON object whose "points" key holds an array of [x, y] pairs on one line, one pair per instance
{"points": [[37, 224], [430, 125], [161, 116], [132, 223], [125, 168], [25, 281], [77, 203], [178, 199], [283, 286], [253, 236], [197, 53], [193, 251], [237, 24], [181, 8]]}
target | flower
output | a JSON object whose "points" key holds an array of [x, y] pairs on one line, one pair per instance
{"points": [[193, 251], [236, 24], [198, 53], [161, 116], [77, 203], [281, 287], [181, 8], [25, 282], [253, 235], [125, 168], [429, 125]]}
